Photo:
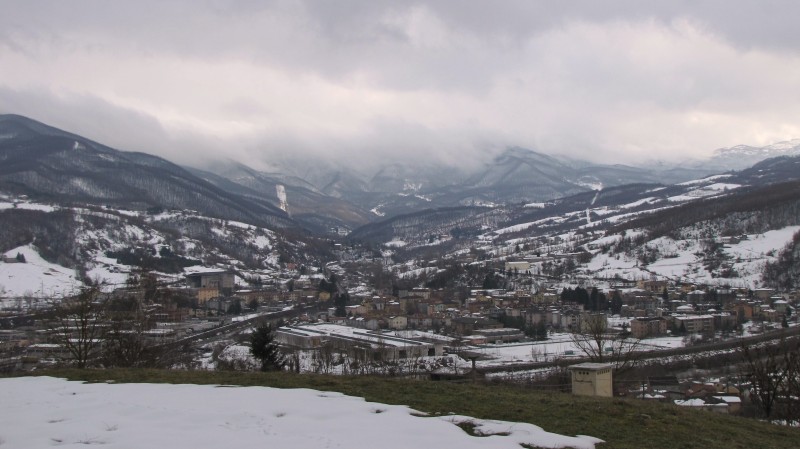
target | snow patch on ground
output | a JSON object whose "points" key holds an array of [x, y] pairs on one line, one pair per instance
{"points": [[262, 242], [642, 201], [27, 206], [36, 277], [108, 272], [40, 412], [684, 259], [703, 180]]}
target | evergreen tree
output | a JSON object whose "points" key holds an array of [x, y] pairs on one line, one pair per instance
{"points": [[340, 301], [20, 258], [329, 286], [265, 350], [491, 281], [541, 330], [582, 295], [616, 303], [594, 300], [253, 304], [235, 308]]}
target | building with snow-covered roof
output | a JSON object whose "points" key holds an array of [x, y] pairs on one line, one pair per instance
{"points": [[467, 325], [501, 335], [780, 305], [734, 402], [652, 286], [38, 351], [374, 345], [695, 324], [224, 281], [648, 327], [763, 293], [704, 403]]}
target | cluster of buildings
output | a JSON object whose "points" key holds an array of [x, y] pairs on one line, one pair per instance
{"points": [[720, 396], [681, 310], [477, 316], [654, 307]]}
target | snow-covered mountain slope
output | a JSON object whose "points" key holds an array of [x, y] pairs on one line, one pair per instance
{"points": [[513, 175], [54, 165], [722, 229], [66, 247], [303, 201], [588, 210], [598, 210], [741, 156], [694, 255]]}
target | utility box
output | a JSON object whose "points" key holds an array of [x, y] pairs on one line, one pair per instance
{"points": [[592, 379]]}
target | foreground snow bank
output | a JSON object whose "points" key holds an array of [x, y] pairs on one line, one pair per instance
{"points": [[45, 412]]}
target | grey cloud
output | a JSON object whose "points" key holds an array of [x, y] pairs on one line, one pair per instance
{"points": [[369, 81], [96, 119]]}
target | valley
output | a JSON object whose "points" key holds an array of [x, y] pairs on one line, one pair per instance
{"points": [[486, 267]]}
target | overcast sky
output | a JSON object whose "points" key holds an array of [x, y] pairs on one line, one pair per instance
{"points": [[609, 81]]}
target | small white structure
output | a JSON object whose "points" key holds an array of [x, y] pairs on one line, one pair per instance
{"points": [[592, 379]]}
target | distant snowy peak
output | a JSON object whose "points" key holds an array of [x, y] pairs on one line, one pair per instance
{"points": [[789, 144], [742, 156], [790, 147]]}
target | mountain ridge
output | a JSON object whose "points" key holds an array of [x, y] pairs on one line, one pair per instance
{"points": [[44, 162]]}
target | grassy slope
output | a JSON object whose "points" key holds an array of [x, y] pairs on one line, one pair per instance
{"points": [[621, 423]]}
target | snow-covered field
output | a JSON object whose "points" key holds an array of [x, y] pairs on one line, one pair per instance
{"points": [[558, 346], [35, 278], [43, 412]]}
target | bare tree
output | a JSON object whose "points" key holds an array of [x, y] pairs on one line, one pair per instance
{"points": [[773, 371], [324, 358], [127, 345], [111, 332], [793, 384], [80, 326], [600, 345]]}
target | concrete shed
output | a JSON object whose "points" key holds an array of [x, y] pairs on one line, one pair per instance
{"points": [[592, 379]]}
